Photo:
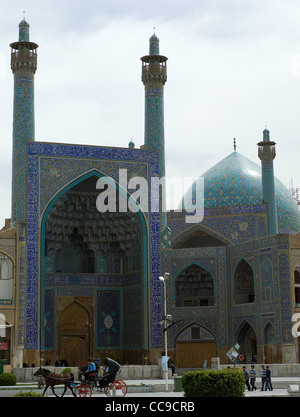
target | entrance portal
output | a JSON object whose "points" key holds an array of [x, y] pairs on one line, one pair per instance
{"points": [[73, 328], [246, 338], [195, 347], [100, 259]]}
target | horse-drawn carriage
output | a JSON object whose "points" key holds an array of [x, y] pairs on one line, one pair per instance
{"points": [[82, 388]]}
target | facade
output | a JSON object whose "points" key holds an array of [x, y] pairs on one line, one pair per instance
{"points": [[80, 279]]}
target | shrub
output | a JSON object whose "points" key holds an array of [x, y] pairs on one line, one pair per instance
{"points": [[7, 379], [207, 383], [27, 394], [66, 371]]}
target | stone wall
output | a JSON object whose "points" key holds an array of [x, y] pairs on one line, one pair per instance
{"points": [[127, 372]]}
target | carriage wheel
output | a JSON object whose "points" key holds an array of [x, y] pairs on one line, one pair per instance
{"points": [[119, 385], [122, 386], [83, 391]]}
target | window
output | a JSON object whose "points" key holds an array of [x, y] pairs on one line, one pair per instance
{"points": [[194, 287], [6, 267], [6, 277], [297, 286], [243, 284]]}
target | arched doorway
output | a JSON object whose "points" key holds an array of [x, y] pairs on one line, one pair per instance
{"points": [[194, 286], [269, 344], [195, 346], [101, 258], [243, 284], [297, 286], [74, 334], [246, 338]]}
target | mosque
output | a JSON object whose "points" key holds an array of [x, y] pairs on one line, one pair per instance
{"points": [[77, 281]]}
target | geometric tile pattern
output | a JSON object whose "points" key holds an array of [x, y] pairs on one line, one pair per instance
{"points": [[23, 65], [236, 181], [268, 258], [108, 304], [74, 162]]}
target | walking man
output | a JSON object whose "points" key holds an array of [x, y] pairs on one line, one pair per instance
{"points": [[263, 378], [252, 377], [246, 375], [268, 379]]}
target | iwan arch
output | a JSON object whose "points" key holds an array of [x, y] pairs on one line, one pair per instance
{"points": [[85, 283]]}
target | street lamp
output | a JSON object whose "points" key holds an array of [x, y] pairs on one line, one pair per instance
{"points": [[163, 280]]}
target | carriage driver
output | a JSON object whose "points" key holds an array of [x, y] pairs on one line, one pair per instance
{"points": [[91, 369], [112, 367]]}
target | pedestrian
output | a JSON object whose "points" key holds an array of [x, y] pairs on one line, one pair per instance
{"points": [[263, 378], [268, 379], [171, 365], [246, 375], [90, 370], [252, 377], [112, 368]]}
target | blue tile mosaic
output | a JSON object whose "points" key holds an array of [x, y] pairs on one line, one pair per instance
{"points": [[72, 162]]}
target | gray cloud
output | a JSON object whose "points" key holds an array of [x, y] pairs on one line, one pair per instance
{"points": [[230, 73]]}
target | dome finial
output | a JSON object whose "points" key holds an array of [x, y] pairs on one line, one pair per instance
{"points": [[266, 135], [154, 44], [24, 30], [234, 144]]}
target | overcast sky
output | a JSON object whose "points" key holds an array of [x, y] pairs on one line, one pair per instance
{"points": [[233, 68]]}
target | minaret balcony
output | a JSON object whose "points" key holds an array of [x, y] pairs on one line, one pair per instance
{"points": [[266, 150], [24, 60]]}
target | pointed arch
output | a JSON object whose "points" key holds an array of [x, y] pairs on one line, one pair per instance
{"points": [[198, 236], [6, 277], [297, 285], [269, 343], [70, 315], [106, 246], [194, 286], [267, 279], [74, 332], [269, 334], [195, 346], [245, 336], [243, 283], [187, 333]]}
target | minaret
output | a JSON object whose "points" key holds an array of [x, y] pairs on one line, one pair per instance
{"points": [[267, 153], [23, 65], [154, 77]]}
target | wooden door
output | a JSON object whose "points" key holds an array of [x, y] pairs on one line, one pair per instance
{"points": [[193, 354], [74, 335], [74, 349]]}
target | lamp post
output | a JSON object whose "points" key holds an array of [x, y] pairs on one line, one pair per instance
{"points": [[163, 280]]}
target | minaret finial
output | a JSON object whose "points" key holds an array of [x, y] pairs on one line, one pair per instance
{"points": [[23, 14], [234, 144], [154, 30]]}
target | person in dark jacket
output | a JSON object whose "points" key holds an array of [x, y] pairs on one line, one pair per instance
{"points": [[246, 375], [252, 377], [268, 379], [112, 368]]}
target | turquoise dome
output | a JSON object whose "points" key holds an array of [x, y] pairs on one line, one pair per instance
{"points": [[236, 181]]}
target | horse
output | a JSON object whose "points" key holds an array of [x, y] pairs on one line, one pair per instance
{"points": [[52, 379]]}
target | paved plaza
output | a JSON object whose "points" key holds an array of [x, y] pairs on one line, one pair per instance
{"points": [[157, 388]]}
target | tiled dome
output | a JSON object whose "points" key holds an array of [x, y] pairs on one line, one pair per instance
{"points": [[236, 181]]}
